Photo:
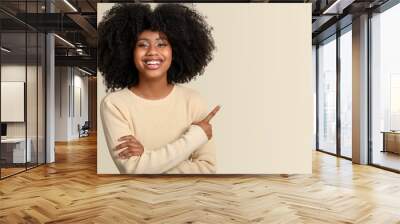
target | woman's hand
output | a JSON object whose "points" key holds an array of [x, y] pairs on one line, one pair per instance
{"points": [[131, 146], [205, 123]]}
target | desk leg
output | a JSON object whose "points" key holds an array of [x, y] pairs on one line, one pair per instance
{"points": [[384, 142]]}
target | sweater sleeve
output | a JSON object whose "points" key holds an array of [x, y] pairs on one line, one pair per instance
{"points": [[203, 160], [160, 160]]}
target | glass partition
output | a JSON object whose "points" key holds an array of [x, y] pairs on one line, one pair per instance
{"points": [[13, 95], [22, 89], [346, 93], [385, 89], [31, 100], [327, 96]]}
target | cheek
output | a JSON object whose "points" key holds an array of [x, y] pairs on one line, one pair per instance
{"points": [[136, 57], [169, 56]]}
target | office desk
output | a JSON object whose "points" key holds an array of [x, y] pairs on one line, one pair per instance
{"points": [[13, 150], [391, 141]]}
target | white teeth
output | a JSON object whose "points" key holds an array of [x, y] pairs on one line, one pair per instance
{"points": [[152, 62]]}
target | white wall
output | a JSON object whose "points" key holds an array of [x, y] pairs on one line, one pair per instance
{"points": [[70, 83], [13, 72], [61, 103], [80, 96]]}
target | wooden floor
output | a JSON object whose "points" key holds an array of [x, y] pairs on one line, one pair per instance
{"points": [[5, 172], [387, 159], [70, 191]]}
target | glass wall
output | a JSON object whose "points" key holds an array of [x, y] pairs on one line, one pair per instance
{"points": [[346, 93], [22, 89], [334, 138], [327, 95], [385, 89]]}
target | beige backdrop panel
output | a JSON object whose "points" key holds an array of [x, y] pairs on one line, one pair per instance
{"points": [[261, 76]]}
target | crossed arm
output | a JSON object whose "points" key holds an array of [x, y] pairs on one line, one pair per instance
{"points": [[202, 161], [191, 153]]}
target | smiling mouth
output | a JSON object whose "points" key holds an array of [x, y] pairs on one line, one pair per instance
{"points": [[152, 64]]}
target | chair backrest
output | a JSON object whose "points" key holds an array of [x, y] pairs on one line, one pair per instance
{"points": [[86, 125]]}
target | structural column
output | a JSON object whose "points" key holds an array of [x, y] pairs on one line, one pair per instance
{"points": [[360, 89], [50, 92]]}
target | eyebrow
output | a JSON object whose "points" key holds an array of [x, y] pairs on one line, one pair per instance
{"points": [[162, 38]]}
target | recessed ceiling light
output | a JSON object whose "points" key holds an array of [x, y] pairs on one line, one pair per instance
{"points": [[64, 40], [84, 71], [5, 50], [337, 7], [70, 5]]}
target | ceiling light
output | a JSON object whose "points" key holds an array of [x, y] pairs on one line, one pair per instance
{"points": [[65, 41], [84, 71], [337, 7], [5, 50], [70, 5]]}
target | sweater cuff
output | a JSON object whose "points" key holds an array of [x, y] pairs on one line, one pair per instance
{"points": [[200, 136]]}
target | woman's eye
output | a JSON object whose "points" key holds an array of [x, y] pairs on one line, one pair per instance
{"points": [[145, 45], [142, 45]]}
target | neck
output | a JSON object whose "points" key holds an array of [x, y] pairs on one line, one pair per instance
{"points": [[154, 89]]}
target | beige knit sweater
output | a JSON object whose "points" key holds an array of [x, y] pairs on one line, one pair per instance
{"points": [[171, 143]]}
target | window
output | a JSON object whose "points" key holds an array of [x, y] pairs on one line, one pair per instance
{"points": [[346, 93], [385, 88], [327, 96]]}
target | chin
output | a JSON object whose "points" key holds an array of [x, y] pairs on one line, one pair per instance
{"points": [[154, 75]]}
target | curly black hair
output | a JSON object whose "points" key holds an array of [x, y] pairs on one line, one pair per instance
{"points": [[187, 32]]}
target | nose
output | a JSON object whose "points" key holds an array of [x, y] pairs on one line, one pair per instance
{"points": [[151, 50]]}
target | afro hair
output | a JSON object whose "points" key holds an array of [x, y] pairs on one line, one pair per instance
{"points": [[187, 32]]}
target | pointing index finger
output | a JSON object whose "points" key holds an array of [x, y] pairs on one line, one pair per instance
{"points": [[212, 113]]}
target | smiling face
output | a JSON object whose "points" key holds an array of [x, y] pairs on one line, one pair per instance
{"points": [[152, 55]]}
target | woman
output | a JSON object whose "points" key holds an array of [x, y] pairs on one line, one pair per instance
{"points": [[152, 124]]}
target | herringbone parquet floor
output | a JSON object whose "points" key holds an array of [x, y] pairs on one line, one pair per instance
{"points": [[70, 191]]}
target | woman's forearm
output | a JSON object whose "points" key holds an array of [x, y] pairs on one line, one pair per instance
{"points": [[164, 158], [202, 161]]}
